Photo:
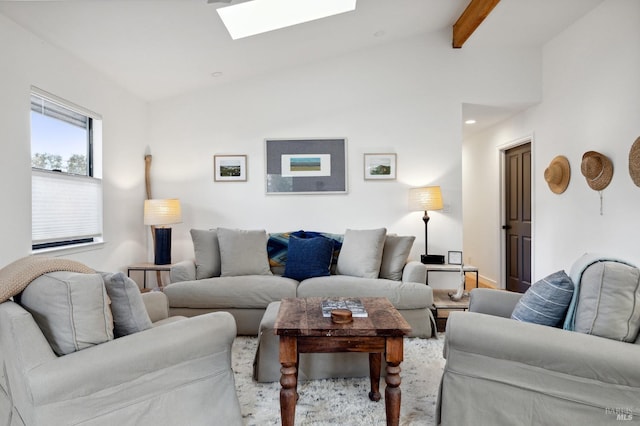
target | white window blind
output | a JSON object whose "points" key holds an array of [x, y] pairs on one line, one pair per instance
{"points": [[65, 207]]}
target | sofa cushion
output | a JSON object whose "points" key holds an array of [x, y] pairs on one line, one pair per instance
{"points": [[244, 292], [608, 302], [71, 309], [207, 253], [403, 295], [394, 256], [243, 252], [308, 257], [546, 301], [361, 253], [127, 307]]}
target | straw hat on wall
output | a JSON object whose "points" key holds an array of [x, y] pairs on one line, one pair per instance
{"points": [[597, 169], [558, 174], [634, 162]]}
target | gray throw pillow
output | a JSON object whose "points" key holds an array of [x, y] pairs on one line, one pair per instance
{"points": [[361, 253], [127, 306], [71, 309], [243, 252], [394, 256], [546, 301], [207, 251], [609, 301]]}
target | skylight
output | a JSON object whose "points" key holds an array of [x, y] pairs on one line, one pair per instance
{"points": [[260, 16]]}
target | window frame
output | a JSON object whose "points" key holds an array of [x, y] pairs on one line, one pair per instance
{"points": [[92, 179]]}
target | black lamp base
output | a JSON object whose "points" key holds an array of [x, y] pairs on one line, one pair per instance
{"points": [[163, 246], [432, 259]]}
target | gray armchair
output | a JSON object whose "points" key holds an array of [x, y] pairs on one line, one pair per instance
{"points": [[177, 372], [505, 372]]}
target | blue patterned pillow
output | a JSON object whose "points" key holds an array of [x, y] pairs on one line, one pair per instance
{"points": [[308, 257], [546, 301]]}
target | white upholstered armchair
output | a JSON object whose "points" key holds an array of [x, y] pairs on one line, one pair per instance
{"points": [[178, 371]]}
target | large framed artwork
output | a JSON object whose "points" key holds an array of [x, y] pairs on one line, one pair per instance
{"points": [[306, 166]]}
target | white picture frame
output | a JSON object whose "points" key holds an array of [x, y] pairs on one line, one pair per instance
{"points": [[454, 258], [380, 166], [230, 168]]}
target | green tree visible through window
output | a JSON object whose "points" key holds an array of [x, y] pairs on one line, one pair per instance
{"points": [[60, 138]]}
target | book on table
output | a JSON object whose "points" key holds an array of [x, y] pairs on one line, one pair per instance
{"points": [[354, 305]]}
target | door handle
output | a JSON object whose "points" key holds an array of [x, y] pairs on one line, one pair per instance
{"points": [[506, 226]]}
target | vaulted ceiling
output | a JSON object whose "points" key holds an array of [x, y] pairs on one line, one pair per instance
{"points": [[161, 48]]}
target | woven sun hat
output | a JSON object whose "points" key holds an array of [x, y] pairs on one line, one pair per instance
{"points": [[634, 162], [558, 174], [597, 169]]}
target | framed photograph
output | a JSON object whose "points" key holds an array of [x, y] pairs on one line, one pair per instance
{"points": [[379, 166], [454, 258], [230, 168], [306, 166]]}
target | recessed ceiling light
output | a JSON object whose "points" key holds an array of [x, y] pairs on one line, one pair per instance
{"points": [[260, 16], [471, 121]]}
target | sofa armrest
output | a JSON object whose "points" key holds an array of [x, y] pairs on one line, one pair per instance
{"points": [[552, 349], [157, 305], [146, 361], [183, 271], [493, 302], [414, 272]]}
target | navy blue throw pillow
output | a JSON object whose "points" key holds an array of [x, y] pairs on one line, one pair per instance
{"points": [[308, 257], [546, 301]]}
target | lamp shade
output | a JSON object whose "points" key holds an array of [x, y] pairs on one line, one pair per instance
{"points": [[425, 198], [162, 212]]}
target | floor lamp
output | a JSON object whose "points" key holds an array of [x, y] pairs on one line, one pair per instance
{"points": [[159, 213], [427, 198]]}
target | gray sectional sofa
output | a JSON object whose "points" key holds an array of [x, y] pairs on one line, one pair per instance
{"points": [[242, 272]]}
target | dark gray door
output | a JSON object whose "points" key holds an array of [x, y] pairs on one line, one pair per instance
{"points": [[518, 217]]}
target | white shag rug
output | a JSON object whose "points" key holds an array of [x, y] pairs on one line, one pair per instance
{"points": [[343, 401]]}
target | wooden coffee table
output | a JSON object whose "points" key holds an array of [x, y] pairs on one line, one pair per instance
{"points": [[303, 329]]}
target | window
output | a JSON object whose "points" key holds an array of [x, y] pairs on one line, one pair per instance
{"points": [[66, 189]]}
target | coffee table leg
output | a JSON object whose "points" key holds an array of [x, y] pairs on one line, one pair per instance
{"points": [[288, 380], [375, 361], [392, 393]]}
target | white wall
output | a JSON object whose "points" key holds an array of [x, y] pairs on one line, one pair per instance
{"points": [[402, 97], [26, 61], [591, 101]]}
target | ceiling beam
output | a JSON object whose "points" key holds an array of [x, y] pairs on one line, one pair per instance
{"points": [[471, 19]]}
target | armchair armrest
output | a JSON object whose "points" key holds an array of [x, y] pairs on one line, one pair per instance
{"points": [[546, 348], [183, 271], [414, 272], [493, 302], [147, 363], [157, 305]]}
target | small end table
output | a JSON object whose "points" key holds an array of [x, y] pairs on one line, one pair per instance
{"points": [[447, 267], [147, 267], [443, 304]]}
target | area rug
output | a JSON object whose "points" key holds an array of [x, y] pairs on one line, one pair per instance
{"points": [[343, 401]]}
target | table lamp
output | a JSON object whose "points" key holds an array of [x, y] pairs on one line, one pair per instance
{"points": [[159, 213], [427, 198]]}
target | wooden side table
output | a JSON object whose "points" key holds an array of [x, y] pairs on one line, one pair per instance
{"points": [[302, 329], [148, 267], [442, 305]]}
